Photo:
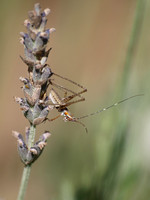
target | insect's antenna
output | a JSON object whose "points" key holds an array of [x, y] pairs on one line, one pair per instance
{"points": [[81, 124], [104, 109], [67, 79]]}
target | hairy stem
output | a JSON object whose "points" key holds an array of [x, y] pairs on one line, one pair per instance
{"points": [[27, 168]]}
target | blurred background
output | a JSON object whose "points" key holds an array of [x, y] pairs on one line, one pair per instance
{"points": [[90, 46]]}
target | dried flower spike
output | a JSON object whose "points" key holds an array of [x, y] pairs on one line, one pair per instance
{"points": [[28, 156], [33, 105]]}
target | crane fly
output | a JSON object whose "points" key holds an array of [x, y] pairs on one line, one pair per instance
{"points": [[61, 105]]}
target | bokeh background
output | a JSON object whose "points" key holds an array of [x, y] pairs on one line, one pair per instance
{"points": [[90, 46]]}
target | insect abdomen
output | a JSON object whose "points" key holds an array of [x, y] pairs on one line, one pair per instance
{"points": [[54, 97]]}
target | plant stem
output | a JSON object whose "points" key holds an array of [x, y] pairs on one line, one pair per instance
{"points": [[24, 182], [27, 168], [133, 42]]}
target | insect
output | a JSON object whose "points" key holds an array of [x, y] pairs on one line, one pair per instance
{"points": [[61, 105]]}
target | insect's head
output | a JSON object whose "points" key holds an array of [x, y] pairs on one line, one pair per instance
{"points": [[68, 117]]}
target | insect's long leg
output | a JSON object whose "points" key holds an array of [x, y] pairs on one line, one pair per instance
{"points": [[63, 105], [67, 79], [104, 109], [70, 96], [54, 118], [72, 102], [62, 87]]}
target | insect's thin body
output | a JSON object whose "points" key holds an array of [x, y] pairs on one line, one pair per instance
{"points": [[55, 98]]}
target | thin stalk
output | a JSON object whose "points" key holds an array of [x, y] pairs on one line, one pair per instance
{"points": [[27, 168], [133, 42], [24, 182]]}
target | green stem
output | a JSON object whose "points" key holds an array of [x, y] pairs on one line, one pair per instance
{"points": [[133, 42], [110, 178], [27, 168], [24, 182]]}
